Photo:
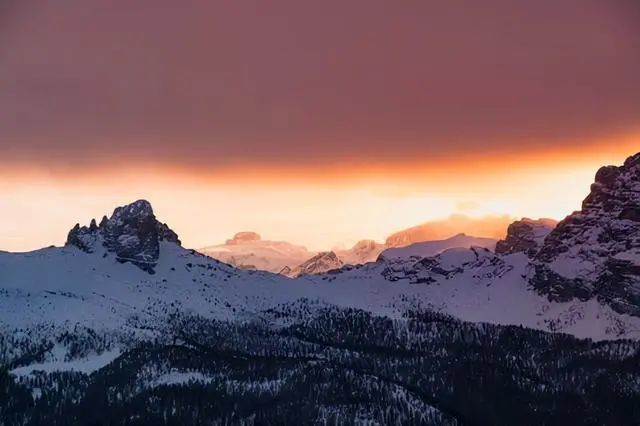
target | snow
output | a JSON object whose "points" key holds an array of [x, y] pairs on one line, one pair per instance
{"points": [[83, 365], [432, 248], [63, 288], [180, 377]]}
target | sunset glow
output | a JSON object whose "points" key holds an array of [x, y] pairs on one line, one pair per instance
{"points": [[320, 207]]}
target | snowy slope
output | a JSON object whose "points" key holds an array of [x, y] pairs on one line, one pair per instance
{"points": [[90, 286], [66, 287], [432, 248]]}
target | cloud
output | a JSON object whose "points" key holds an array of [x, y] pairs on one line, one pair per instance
{"points": [[213, 83]]}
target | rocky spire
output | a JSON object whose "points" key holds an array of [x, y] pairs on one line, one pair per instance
{"points": [[132, 233]]}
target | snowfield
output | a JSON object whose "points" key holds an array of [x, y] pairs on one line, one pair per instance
{"points": [[66, 288]]}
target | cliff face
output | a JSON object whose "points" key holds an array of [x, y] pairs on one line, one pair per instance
{"points": [[595, 252]]}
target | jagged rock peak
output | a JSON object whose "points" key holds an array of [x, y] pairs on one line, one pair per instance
{"points": [[526, 236], [595, 252], [132, 233]]}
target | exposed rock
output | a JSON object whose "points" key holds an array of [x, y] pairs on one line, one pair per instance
{"points": [[362, 252], [322, 262], [595, 252], [526, 236], [285, 271], [132, 233]]}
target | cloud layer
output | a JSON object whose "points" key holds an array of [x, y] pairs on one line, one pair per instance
{"points": [[294, 82]]}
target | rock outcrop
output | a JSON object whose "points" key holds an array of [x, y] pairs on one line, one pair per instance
{"points": [[525, 236], [322, 262], [595, 252], [132, 233], [362, 252]]}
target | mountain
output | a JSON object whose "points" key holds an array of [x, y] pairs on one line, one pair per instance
{"points": [[362, 252], [247, 250], [594, 253], [99, 285], [525, 235], [320, 263], [131, 234], [123, 325], [432, 248], [489, 227]]}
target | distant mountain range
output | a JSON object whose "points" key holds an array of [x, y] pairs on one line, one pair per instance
{"points": [[248, 251], [125, 326]]}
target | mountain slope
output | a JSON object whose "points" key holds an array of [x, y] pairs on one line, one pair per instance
{"points": [[70, 286], [322, 262], [432, 248], [124, 323], [595, 252]]}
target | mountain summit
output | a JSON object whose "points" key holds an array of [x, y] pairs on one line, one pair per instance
{"points": [[595, 252], [132, 233], [525, 235]]}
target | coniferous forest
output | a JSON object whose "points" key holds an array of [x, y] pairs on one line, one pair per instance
{"points": [[303, 364]]}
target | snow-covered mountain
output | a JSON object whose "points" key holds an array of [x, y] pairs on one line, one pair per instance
{"points": [[105, 286], [594, 253], [131, 234], [246, 250], [362, 252], [318, 264], [432, 248], [131, 312]]}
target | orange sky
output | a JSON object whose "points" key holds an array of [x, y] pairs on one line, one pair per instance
{"points": [[319, 207]]}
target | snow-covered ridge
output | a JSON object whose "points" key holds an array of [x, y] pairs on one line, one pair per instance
{"points": [[93, 283], [432, 248]]}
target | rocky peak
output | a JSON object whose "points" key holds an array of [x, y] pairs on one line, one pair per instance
{"points": [[132, 233], [595, 252], [526, 236], [322, 262], [244, 237]]}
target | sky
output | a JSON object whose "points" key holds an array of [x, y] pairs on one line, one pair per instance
{"points": [[316, 122]]}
